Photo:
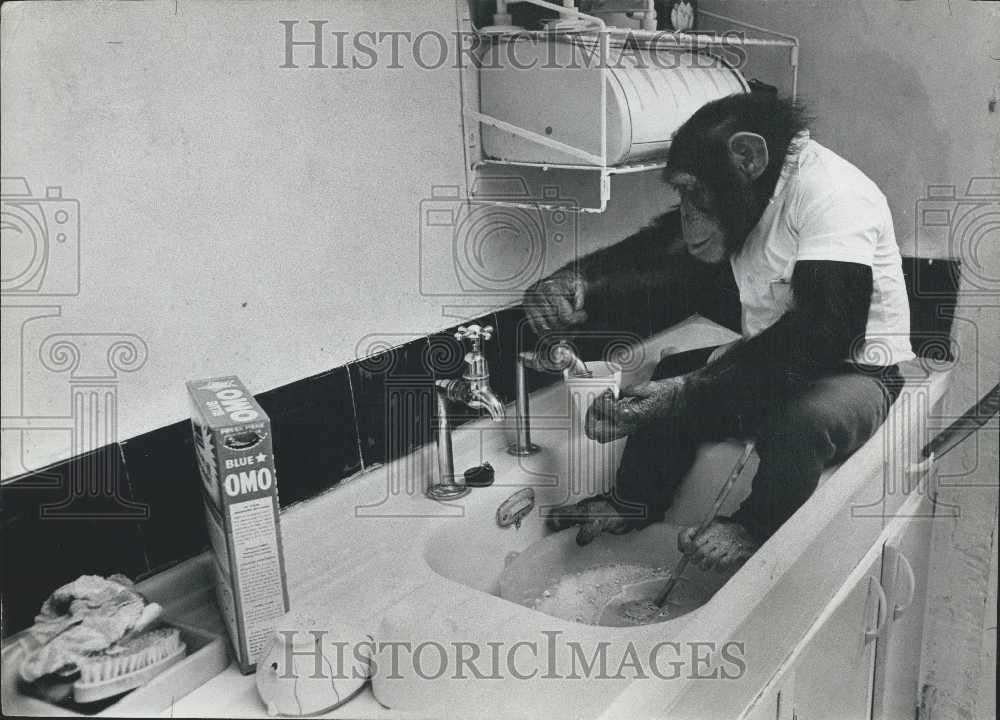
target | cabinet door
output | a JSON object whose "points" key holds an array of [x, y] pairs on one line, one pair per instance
{"points": [[833, 673], [776, 702], [904, 577]]}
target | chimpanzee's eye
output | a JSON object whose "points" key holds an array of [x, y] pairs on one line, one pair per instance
{"points": [[695, 196]]}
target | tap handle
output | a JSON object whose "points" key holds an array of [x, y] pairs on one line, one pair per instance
{"points": [[475, 333]]}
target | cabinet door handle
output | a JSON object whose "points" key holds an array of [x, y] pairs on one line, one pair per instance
{"points": [[882, 614], [901, 608]]}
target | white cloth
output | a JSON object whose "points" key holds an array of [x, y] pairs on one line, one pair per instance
{"points": [[824, 208]]}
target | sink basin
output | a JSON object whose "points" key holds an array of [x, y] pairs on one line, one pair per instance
{"points": [[545, 661], [559, 578], [479, 555], [486, 577]]}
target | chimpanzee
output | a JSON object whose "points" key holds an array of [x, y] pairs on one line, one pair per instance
{"points": [[825, 321]]}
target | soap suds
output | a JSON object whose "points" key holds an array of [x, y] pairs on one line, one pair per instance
{"points": [[596, 596]]}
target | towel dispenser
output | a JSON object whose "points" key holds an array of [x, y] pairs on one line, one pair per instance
{"points": [[551, 87]]}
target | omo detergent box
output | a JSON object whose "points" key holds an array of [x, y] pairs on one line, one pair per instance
{"points": [[232, 436]]}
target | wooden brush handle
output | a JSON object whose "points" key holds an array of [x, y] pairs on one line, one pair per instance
{"points": [[712, 514], [726, 487]]}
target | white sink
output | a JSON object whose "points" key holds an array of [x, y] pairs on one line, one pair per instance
{"points": [[468, 555]]}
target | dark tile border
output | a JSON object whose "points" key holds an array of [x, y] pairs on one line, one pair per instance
{"points": [[314, 432], [392, 394], [164, 474]]}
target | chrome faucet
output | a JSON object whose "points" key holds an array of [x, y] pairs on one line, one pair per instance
{"points": [[559, 357], [472, 390]]}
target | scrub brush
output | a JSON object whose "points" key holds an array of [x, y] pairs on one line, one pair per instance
{"points": [[128, 665]]}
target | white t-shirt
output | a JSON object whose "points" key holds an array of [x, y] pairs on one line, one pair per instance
{"points": [[824, 208]]}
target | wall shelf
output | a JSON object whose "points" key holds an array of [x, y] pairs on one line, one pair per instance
{"points": [[610, 169], [593, 167]]}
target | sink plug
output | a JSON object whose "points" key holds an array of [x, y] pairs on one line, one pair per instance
{"points": [[479, 476], [513, 509]]}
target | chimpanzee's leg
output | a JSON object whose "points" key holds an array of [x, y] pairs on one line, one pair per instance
{"points": [[803, 435], [657, 458]]}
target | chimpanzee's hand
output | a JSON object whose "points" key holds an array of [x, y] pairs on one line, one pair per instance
{"points": [[638, 405], [556, 303], [594, 515], [724, 545]]}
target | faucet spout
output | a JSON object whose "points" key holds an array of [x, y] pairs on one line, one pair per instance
{"points": [[477, 395], [484, 398]]}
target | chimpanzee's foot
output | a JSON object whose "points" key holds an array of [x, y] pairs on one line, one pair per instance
{"points": [[594, 515], [724, 545]]}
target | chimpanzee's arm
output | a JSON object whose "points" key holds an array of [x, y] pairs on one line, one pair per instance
{"points": [[830, 316], [649, 271], [643, 258], [823, 330], [653, 260]]}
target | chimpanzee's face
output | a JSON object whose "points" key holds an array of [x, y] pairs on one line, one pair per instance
{"points": [[720, 207], [704, 234]]}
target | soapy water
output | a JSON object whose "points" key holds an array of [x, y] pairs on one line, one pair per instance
{"points": [[618, 596], [636, 605]]}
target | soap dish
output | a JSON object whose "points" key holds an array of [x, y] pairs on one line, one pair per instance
{"points": [[207, 656]]}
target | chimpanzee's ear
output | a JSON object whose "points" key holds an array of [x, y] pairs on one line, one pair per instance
{"points": [[749, 152]]}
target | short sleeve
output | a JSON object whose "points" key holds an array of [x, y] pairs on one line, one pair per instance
{"points": [[838, 220]]}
